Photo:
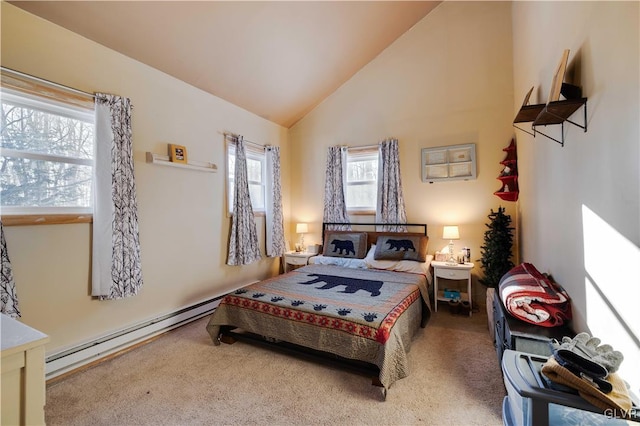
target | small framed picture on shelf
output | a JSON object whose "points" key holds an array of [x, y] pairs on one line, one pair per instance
{"points": [[177, 153]]}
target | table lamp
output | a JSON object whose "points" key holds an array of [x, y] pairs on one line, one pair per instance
{"points": [[451, 233], [302, 228]]}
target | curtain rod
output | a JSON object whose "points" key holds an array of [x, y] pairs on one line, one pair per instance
{"points": [[229, 134], [42, 80], [359, 148]]}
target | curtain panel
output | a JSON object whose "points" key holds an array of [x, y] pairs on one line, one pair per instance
{"points": [[8, 296], [276, 245], [390, 206], [243, 242], [335, 207], [116, 266]]}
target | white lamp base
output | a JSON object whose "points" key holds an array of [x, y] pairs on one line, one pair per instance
{"points": [[452, 260]]}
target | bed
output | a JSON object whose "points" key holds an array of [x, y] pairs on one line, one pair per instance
{"points": [[353, 305]]}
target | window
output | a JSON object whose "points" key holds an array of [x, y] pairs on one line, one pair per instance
{"points": [[256, 173], [361, 180], [46, 165]]}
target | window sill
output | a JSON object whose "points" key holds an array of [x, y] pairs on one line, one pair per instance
{"points": [[361, 212], [45, 219]]}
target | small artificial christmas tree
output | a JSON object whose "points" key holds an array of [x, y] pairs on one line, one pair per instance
{"points": [[496, 251]]}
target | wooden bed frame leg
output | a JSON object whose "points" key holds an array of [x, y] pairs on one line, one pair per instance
{"points": [[229, 340]]}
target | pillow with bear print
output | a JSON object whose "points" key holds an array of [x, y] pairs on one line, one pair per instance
{"points": [[345, 244], [399, 247]]}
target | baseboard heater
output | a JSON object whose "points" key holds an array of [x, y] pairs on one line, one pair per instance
{"points": [[78, 356]]}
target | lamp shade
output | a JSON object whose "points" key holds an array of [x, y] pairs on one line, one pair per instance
{"points": [[302, 228], [450, 233]]}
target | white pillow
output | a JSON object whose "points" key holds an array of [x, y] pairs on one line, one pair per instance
{"points": [[398, 265], [338, 261]]}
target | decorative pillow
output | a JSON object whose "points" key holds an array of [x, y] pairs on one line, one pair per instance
{"points": [[345, 244], [393, 247], [399, 265]]}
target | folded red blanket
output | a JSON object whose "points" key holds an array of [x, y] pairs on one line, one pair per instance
{"points": [[532, 297]]}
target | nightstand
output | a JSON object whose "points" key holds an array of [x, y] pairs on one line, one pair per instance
{"points": [[295, 258], [449, 271]]}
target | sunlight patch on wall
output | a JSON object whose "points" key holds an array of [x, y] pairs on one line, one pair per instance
{"points": [[612, 291], [604, 324]]}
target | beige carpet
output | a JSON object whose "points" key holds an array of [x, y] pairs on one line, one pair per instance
{"points": [[182, 379]]}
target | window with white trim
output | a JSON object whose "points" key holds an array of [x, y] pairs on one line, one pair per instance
{"points": [[256, 173], [46, 163], [361, 180]]}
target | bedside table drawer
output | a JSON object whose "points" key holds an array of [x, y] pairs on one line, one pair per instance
{"points": [[452, 274], [295, 260]]}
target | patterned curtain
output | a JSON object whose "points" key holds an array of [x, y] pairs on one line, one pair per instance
{"points": [[276, 245], [335, 207], [116, 268], [390, 206], [243, 244], [8, 296]]}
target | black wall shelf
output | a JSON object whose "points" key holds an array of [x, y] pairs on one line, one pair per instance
{"points": [[556, 112]]}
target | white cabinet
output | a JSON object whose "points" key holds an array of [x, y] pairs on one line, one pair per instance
{"points": [[23, 385]]}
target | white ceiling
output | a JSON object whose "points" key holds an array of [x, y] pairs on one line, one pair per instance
{"points": [[276, 59]]}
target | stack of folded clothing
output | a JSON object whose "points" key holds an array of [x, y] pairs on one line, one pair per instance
{"points": [[585, 365]]}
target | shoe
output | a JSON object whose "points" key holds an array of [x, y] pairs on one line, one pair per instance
{"points": [[454, 306], [465, 307]]}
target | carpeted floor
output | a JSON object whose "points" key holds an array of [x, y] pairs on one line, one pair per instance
{"points": [[182, 379]]}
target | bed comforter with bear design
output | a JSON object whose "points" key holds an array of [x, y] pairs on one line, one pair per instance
{"points": [[364, 315]]}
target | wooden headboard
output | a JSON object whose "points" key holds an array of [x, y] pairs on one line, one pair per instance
{"points": [[372, 236]]}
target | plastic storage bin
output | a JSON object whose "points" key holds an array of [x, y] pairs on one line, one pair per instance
{"points": [[512, 333], [531, 401]]}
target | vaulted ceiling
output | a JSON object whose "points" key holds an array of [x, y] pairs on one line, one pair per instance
{"points": [[275, 59]]}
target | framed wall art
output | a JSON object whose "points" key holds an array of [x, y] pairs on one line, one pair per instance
{"points": [[445, 163], [178, 153]]}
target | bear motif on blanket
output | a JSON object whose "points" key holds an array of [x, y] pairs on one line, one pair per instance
{"points": [[351, 284]]}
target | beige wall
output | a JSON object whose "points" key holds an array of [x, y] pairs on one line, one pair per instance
{"points": [[183, 225], [446, 81], [579, 204]]}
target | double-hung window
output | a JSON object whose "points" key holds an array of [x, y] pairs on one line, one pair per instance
{"points": [[256, 174], [46, 161], [361, 180]]}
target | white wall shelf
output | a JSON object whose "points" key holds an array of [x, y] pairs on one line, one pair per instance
{"points": [[163, 160]]}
